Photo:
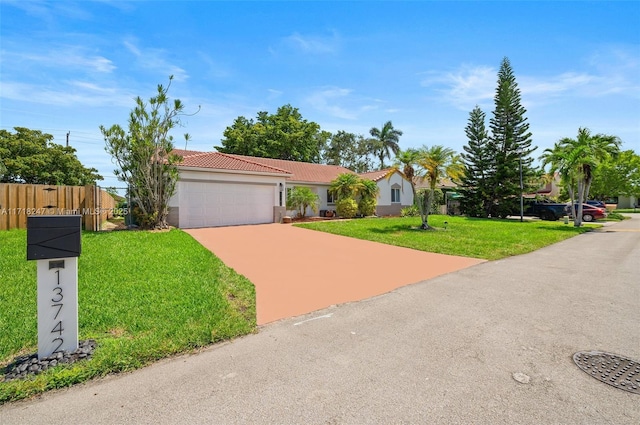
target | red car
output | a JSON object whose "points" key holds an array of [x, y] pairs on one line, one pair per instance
{"points": [[589, 212]]}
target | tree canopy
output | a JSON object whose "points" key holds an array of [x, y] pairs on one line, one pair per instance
{"points": [[283, 135], [350, 151], [29, 156], [617, 175], [144, 156]]}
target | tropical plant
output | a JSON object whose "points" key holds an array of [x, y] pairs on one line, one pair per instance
{"points": [[346, 207], [368, 201], [411, 211], [351, 186], [385, 140], [427, 165], [576, 160], [405, 162], [435, 163], [144, 154], [300, 198], [346, 185]]}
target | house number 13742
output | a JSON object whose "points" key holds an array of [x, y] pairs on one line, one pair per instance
{"points": [[57, 306]]}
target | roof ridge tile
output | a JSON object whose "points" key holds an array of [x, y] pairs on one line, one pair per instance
{"points": [[239, 158]]}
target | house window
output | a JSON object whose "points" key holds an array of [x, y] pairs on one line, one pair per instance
{"points": [[330, 199], [395, 195]]}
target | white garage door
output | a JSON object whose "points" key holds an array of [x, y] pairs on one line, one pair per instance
{"points": [[207, 204]]}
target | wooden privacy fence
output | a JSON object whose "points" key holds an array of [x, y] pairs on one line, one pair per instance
{"points": [[17, 201]]}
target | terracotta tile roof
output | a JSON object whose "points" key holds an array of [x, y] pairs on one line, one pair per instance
{"points": [[221, 161], [301, 171], [375, 175], [183, 152]]}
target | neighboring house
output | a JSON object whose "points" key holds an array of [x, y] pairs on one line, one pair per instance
{"points": [[449, 191], [216, 189], [628, 202], [550, 189], [395, 191]]}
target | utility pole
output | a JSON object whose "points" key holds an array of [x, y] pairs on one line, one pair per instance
{"points": [[68, 133], [521, 189]]}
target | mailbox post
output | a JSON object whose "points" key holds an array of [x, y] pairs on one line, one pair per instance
{"points": [[54, 241]]}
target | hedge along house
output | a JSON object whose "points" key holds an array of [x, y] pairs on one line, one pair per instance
{"points": [[216, 189]]}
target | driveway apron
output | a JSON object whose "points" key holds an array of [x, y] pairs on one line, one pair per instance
{"points": [[296, 271]]}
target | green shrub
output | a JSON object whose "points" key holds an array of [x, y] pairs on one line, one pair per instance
{"points": [[346, 207], [367, 206], [411, 211]]}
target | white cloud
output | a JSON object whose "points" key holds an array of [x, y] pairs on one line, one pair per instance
{"points": [[214, 69], [155, 60], [325, 100], [274, 94], [70, 93], [48, 11], [341, 103], [313, 43], [464, 88], [64, 57], [611, 73]]}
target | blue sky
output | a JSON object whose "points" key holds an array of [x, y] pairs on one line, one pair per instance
{"points": [[72, 66]]}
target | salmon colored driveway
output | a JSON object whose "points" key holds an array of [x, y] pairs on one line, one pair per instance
{"points": [[297, 271]]}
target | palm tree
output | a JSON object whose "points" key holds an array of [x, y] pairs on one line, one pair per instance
{"points": [[434, 164], [405, 163], [385, 140], [300, 198], [576, 159], [346, 185]]}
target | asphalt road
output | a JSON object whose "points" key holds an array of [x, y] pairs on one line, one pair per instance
{"points": [[490, 344]]}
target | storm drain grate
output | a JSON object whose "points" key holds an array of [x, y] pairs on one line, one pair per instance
{"points": [[617, 371]]}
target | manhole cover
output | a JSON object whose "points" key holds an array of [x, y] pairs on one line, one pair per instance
{"points": [[617, 371]]}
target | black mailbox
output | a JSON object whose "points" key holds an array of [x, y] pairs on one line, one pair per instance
{"points": [[53, 236]]}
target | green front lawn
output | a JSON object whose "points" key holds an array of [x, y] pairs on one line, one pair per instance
{"points": [[142, 295], [468, 237]]}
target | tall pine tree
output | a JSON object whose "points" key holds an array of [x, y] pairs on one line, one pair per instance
{"points": [[492, 182], [511, 139], [479, 162]]}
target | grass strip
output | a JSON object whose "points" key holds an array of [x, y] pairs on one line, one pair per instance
{"points": [[489, 239], [142, 295]]}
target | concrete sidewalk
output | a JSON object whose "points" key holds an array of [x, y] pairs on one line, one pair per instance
{"points": [[445, 351]]}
